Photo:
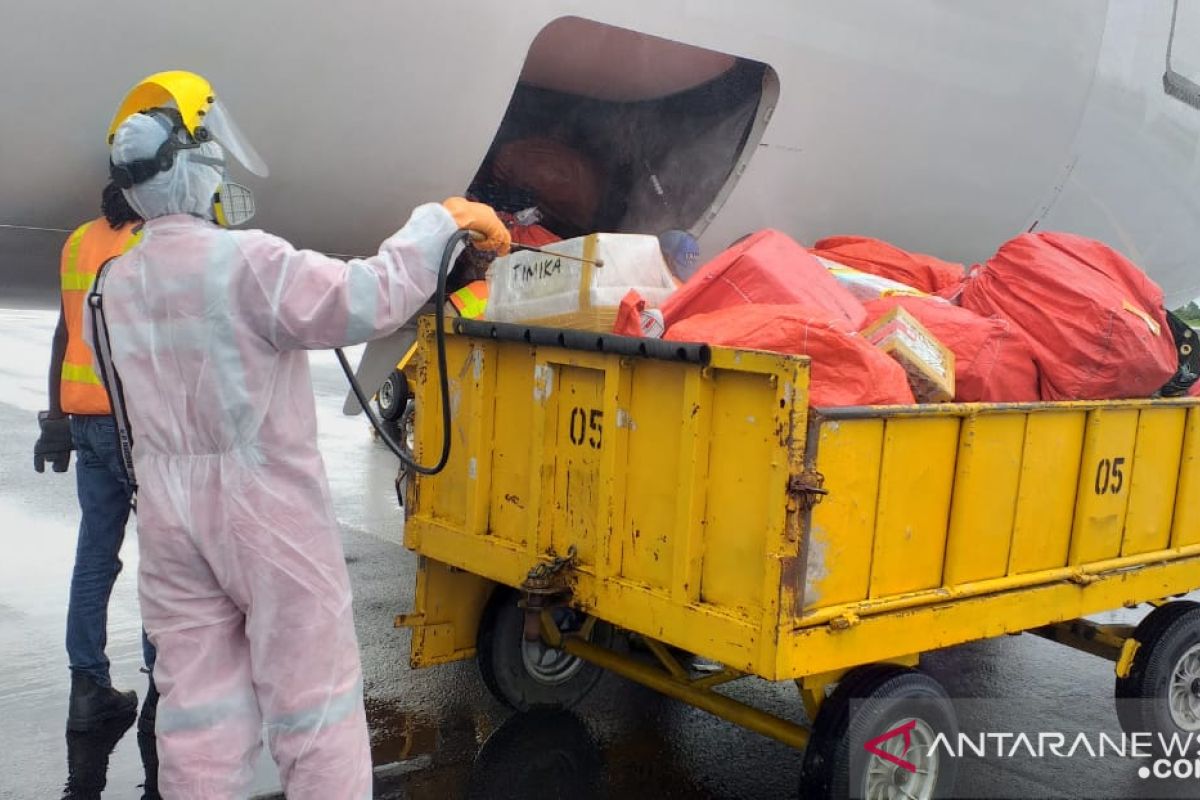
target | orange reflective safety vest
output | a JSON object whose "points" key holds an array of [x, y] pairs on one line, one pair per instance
{"points": [[471, 301], [86, 250]]}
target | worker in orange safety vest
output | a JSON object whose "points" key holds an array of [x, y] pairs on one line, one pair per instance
{"points": [[470, 302], [79, 418]]}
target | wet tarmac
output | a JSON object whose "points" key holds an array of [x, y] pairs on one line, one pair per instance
{"points": [[436, 733]]}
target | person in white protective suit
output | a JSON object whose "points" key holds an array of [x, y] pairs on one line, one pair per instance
{"points": [[243, 586]]}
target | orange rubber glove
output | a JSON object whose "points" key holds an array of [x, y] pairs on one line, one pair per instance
{"points": [[480, 219]]}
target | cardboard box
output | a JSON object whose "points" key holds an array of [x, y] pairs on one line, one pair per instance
{"points": [[929, 363]]}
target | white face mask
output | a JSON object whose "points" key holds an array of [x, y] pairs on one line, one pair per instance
{"points": [[233, 204]]}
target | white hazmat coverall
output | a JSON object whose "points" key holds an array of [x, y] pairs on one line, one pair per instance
{"points": [[243, 586]]}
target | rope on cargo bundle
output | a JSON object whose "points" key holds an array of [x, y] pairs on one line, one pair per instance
{"points": [[439, 313]]}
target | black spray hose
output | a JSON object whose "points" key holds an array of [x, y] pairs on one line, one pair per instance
{"points": [[439, 313]]}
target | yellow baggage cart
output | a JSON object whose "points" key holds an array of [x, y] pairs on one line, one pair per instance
{"points": [[603, 491]]}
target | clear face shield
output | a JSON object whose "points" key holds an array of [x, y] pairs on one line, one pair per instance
{"points": [[218, 125], [233, 203]]}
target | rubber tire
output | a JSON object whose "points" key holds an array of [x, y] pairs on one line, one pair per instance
{"points": [[1165, 634], [400, 393], [825, 773], [498, 654]]}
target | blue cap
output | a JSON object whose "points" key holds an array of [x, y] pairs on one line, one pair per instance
{"points": [[681, 251]]}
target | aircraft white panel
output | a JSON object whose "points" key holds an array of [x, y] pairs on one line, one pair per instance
{"points": [[942, 126]]}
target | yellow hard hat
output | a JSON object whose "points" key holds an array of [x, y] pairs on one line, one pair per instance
{"points": [[203, 115], [187, 91]]}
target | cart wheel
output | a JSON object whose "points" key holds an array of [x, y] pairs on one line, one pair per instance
{"points": [[869, 703], [402, 433], [393, 396], [528, 675], [1161, 694]]}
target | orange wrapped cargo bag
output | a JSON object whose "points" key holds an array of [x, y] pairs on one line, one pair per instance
{"points": [[532, 235], [846, 369], [629, 314], [766, 267], [992, 360], [929, 274], [1094, 322]]}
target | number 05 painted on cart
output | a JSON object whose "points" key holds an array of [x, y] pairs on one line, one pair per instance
{"points": [[1105, 479], [1110, 475]]}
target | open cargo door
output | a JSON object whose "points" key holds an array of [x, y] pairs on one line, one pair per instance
{"points": [[613, 130]]}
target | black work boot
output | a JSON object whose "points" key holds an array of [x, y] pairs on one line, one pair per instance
{"points": [[149, 710], [92, 704]]}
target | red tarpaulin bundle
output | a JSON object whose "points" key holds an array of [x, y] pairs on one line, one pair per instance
{"points": [[532, 235], [1094, 321], [846, 369], [767, 267], [992, 360], [927, 273], [629, 315]]}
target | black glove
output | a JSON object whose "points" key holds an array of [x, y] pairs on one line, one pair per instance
{"points": [[55, 443]]}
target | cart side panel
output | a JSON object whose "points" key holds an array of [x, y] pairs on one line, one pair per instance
{"points": [[1046, 497], [915, 488], [447, 607], [573, 450], [740, 491], [1104, 488], [1154, 481], [1185, 529], [512, 505], [841, 533], [652, 531], [967, 494], [1056, 510], [985, 492], [574, 516], [691, 484], [461, 503]]}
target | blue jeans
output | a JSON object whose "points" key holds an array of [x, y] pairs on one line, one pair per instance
{"points": [[104, 495]]}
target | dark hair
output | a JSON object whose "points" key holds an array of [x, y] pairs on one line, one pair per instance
{"points": [[116, 208]]}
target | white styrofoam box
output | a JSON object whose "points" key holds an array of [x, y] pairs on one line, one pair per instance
{"points": [[526, 286]]}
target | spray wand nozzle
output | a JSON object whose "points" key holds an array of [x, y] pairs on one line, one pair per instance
{"points": [[595, 262]]}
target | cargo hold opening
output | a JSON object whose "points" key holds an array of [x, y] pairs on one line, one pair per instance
{"points": [[613, 130]]}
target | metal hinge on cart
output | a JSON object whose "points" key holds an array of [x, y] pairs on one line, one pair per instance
{"points": [[545, 586], [807, 488]]}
